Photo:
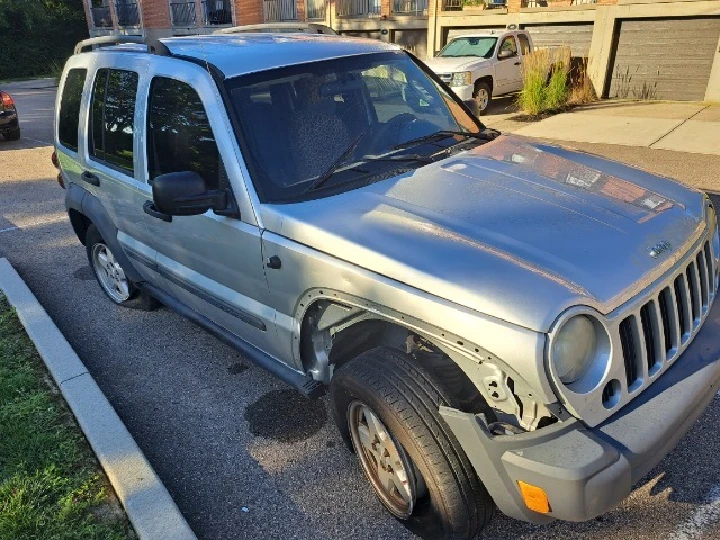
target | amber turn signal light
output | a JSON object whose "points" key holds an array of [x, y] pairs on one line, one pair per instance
{"points": [[534, 497]]}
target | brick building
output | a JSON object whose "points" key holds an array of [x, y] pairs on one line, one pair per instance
{"points": [[635, 48]]}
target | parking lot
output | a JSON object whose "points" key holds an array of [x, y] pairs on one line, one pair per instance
{"points": [[244, 456]]}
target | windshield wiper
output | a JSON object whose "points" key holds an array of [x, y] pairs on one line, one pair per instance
{"points": [[442, 135], [324, 177]]}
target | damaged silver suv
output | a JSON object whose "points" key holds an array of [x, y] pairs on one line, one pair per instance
{"points": [[499, 322]]}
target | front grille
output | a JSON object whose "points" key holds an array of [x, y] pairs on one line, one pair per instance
{"points": [[445, 77], [667, 321]]}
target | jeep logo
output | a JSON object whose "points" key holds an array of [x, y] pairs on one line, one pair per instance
{"points": [[659, 248]]}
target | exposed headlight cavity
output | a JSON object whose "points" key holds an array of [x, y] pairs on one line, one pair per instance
{"points": [[461, 78], [580, 353]]}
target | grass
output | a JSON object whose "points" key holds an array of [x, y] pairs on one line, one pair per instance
{"points": [[547, 83], [51, 486]]}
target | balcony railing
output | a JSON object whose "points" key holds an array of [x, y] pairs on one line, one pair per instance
{"points": [[459, 5], [316, 9], [101, 17], [358, 8], [217, 12], [280, 10], [183, 13], [410, 7], [127, 14]]}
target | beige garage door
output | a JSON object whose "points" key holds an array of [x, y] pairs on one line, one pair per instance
{"points": [[575, 36], [664, 58]]}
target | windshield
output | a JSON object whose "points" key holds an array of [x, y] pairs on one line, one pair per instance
{"points": [[470, 46], [305, 125]]}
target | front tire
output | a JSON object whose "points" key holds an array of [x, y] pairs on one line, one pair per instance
{"points": [[111, 276], [387, 407], [483, 96]]}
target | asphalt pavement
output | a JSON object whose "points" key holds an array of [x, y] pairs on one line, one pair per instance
{"points": [[242, 455]]}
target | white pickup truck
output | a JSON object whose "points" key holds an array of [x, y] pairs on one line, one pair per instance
{"points": [[483, 64]]}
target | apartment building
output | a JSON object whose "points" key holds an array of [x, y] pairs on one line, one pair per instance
{"points": [[635, 48]]}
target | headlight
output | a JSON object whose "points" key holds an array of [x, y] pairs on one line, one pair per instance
{"points": [[580, 352], [462, 78]]}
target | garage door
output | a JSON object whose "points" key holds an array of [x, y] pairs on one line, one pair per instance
{"points": [[664, 58], [575, 36], [414, 41], [461, 31]]}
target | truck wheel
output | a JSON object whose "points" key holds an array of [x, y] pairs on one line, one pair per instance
{"points": [[483, 96], [111, 276], [387, 406]]}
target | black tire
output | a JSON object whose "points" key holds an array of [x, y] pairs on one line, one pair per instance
{"points": [[137, 299], [13, 135], [406, 398], [480, 87]]}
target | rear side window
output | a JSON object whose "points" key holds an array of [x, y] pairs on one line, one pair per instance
{"points": [[524, 44], [179, 136], [70, 108], [112, 115]]}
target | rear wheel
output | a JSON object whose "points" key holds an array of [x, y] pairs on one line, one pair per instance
{"points": [[386, 406], [483, 96], [13, 135], [111, 275]]}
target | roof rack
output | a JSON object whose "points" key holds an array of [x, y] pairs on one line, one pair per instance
{"points": [[155, 46]]}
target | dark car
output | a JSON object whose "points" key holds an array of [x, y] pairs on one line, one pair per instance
{"points": [[9, 123]]}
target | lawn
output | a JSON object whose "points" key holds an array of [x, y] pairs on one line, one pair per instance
{"points": [[51, 485]]}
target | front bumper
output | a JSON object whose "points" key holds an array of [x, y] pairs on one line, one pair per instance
{"points": [[464, 92], [587, 471]]}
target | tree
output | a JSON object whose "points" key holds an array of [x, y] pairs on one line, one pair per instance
{"points": [[36, 36]]}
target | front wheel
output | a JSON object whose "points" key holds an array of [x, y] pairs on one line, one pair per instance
{"points": [[483, 96], [387, 407]]}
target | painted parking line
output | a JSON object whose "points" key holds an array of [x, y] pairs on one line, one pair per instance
{"points": [[704, 516]]}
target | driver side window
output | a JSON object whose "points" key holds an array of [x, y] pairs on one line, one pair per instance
{"points": [[179, 136], [508, 45]]}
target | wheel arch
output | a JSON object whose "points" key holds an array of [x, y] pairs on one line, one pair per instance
{"points": [[333, 333], [488, 79]]}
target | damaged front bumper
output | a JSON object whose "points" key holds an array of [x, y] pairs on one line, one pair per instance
{"points": [[587, 471]]}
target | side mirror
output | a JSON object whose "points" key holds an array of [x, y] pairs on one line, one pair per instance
{"points": [[502, 55], [185, 194], [472, 104]]}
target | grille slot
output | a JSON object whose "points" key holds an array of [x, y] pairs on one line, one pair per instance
{"points": [[631, 350], [665, 302], [654, 336], [650, 330]]}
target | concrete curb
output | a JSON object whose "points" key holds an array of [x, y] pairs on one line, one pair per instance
{"points": [[151, 510]]}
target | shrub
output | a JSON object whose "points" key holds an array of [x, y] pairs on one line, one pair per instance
{"points": [[535, 69], [546, 78], [582, 90]]}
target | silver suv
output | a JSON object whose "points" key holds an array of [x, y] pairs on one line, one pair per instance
{"points": [[500, 322]]}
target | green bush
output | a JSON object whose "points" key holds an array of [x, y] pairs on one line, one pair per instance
{"points": [[545, 81], [37, 34]]}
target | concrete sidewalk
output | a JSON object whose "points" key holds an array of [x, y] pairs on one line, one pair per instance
{"points": [[677, 126]]}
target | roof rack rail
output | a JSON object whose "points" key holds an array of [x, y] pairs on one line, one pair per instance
{"points": [[155, 46]]}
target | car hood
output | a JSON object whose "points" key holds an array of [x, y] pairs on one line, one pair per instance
{"points": [[513, 229], [451, 64]]}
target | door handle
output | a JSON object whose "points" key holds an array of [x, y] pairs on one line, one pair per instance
{"points": [[150, 210], [90, 178]]}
